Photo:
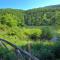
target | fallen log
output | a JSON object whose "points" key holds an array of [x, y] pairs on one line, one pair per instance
{"points": [[25, 53]]}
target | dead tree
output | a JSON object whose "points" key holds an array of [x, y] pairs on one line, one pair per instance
{"points": [[20, 50]]}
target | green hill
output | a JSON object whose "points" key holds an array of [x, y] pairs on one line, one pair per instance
{"points": [[36, 26], [14, 22]]}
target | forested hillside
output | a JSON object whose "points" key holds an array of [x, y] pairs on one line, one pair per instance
{"points": [[33, 17], [39, 27], [11, 17], [43, 16]]}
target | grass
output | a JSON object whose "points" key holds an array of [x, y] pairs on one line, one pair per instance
{"points": [[17, 35]]}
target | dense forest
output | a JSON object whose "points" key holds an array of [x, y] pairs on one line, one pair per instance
{"points": [[33, 17], [39, 27]]}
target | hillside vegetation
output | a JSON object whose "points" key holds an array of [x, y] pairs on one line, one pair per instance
{"points": [[36, 26]]}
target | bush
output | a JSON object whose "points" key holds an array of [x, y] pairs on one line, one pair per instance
{"points": [[43, 52], [33, 34], [46, 34], [57, 49], [6, 54], [46, 51]]}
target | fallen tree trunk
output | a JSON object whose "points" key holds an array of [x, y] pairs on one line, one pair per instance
{"points": [[25, 53]]}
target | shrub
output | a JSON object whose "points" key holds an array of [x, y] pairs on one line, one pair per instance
{"points": [[43, 52], [57, 49], [46, 34], [33, 34]]}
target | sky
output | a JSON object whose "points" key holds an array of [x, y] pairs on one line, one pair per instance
{"points": [[27, 4]]}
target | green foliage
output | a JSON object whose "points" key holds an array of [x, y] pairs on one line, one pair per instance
{"points": [[6, 54], [8, 19], [18, 27], [11, 17], [33, 34], [46, 34], [57, 50], [45, 50], [42, 16], [33, 17]]}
